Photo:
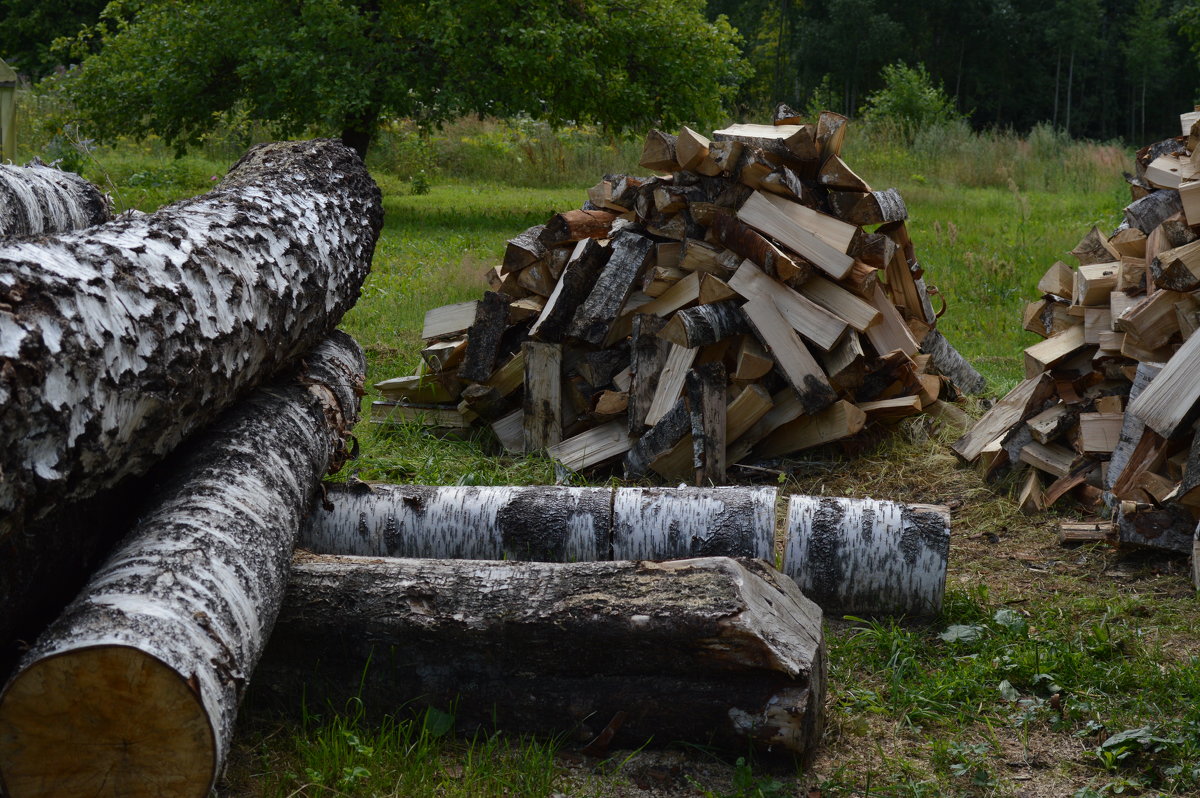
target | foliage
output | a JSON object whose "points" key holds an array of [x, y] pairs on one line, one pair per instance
{"points": [[178, 68], [909, 101], [30, 26]]}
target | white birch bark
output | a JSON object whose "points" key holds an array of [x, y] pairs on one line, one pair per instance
{"points": [[868, 557], [37, 200], [119, 341], [714, 651], [666, 523], [134, 690]]}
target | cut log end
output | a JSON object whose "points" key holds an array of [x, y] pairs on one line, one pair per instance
{"points": [[104, 721]]}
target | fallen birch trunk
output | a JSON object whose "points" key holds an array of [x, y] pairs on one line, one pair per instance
{"points": [[868, 557], [119, 341], [134, 690], [39, 200], [713, 651]]}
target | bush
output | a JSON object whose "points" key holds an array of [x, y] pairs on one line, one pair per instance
{"points": [[909, 102]]}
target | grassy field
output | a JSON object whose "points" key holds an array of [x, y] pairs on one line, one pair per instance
{"points": [[1050, 672]]}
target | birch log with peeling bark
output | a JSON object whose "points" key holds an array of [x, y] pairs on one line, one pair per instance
{"points": [[868, 557], [664, 523], [134, 690], [714, 651], [553, 524], [38, 200], [119, 341]]}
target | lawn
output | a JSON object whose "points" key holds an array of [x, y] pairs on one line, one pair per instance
{"points": [[1042, 655]]}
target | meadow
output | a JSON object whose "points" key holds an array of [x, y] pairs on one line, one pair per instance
{"points": [[1050, 672]]}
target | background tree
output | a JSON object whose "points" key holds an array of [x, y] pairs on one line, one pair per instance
{"points": [[30, 26], [176, 67]]}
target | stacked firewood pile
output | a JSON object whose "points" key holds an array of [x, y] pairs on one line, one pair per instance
{"points": [[754, 299], [1105, 415]]}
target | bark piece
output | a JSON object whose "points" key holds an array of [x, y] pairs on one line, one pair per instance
{"points": [[648, 354], [949, 362], [714, 651], [1153, 209], [597, 313], [38, 200], [866, 556], [669, 523], [134, 690], [484, 337]]}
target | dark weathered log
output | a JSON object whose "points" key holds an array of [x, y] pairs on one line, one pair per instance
{"points": [[484, 337], [119, 341], [866, 556], [134, 690], [1169, 528], [598, 312], [949, 362], [524, 250], [648, 353], [713, 651], [666, 523], [576, 282], [554, 524], [37, 200], [564, 228], [543, 395], [666, 432], [706, 324]]}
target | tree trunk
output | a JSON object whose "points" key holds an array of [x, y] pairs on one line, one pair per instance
{"points": [[866, 556], [134, 690], [122, 340], [38, 200], [712, 651], [663, 523]]}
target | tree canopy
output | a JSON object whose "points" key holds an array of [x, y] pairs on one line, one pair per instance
{"points": [[176, 67]]}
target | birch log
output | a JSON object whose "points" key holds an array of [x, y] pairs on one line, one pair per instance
{"points": [[468, 523], [868, 557], [713, 651], [134, 690], [663, 523], [38, 200], [119, 341]]}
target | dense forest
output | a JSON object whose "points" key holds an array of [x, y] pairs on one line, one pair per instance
{"points": [[1100, 69]]}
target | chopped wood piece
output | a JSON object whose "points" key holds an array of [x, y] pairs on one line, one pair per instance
{"points": [[706, 407], [1153, 321], [1129, 242], [1150, 211], [1053, 350], [1076, 532], [593, 447], [1032, 499], [795, 141], [1178, 269], [1052, 423], [1189, 197], [863, 555], [877, 207], [1051, 458], [845, 363], [831, 132], [670, 382], [1058, 280], [699, 256], [740, 415], [572, 226], [648, 354], [1145, 526], [891, 409], [835, 174], [794, 361], [422, 389], [947, 360], [1020, 403], [891, 333], [805, 316], [833, 232], [761, 214], [449, 320], [1094, 248], [543, 395], [667, 430], [597, 313], [484, 337], [510, 431], [705, 324], [1169, 401], [579, 276], [444, 355], [658, 153], [524, 250], [1094, 282], [742, 239], [446, 417], [1099, 433], [839, 420], [857, 312], [1047, 317], [692, 153]]}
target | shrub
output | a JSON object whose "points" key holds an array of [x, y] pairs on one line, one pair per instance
{"points": [[909, 101]]}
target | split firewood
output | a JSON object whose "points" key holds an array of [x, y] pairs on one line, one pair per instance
{"points": [[713, 651], [38, 200], [135, 689]]}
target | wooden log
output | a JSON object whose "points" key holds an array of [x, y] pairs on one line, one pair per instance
{"points": [[597, 313], [1167, 528], [742, 239], [793, 360], [705, 324], [705, 388], [1178, 269], [1093, 248], [877, 207], [129, 336], [947, 360], [668, 429], [1059, 280], [543, 395], [1152, 210], [593, 447], [891, 333], [1169, 401], [865, 556], [648, 355], [134, 690], [857, 312], [668, 523], [787, 141], [836, 174], [839, 420], [484, 337], [806, 317], [831, 132], [1094, 283], [670, 382], [712, 651], [740, 415], [1053, 350], [572, 226], [834, 232], [449, 321], [550, 524], [658, 152], [692, 152], [1020, 403], [761, 214], [579, 276], [39, 200], [524, 250]]}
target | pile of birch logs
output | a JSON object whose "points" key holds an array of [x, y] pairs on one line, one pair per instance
{"points": [[755, 299], [1107, 410]]}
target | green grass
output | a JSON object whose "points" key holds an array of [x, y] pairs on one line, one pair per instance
{"points": [[1041, 655]]}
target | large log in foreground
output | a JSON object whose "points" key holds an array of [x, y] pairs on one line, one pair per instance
{"points": [[119, 341], [37, 199], [713, 651], [134, 690]]}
